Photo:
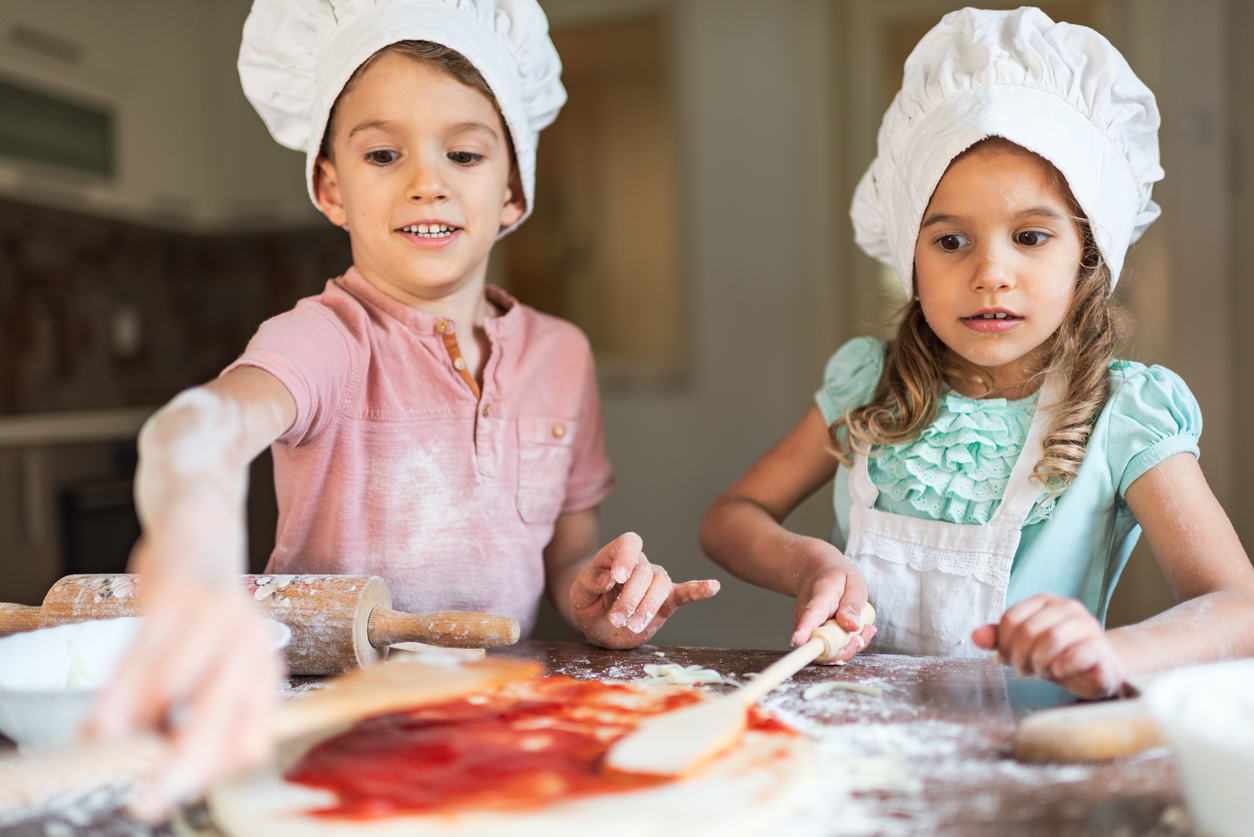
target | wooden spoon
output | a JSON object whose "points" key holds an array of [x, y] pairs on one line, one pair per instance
{"points": [[679, 743]]}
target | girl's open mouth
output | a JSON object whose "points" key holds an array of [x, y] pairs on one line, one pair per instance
{"points": [[992, 321]]}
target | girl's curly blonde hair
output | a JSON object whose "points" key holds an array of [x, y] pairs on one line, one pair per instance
{"points": [[917, 364]]}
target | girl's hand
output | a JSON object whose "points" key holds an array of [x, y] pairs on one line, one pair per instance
{"points": [[830, 586], [1056, 639], [200, 674], [621, 600]]}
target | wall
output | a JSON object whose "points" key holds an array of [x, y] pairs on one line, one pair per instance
{"points": [[747, 182], [1240, 31]]}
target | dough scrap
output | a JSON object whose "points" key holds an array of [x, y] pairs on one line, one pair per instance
{"points": [[434, 654], [820, 689], [683, 675]]}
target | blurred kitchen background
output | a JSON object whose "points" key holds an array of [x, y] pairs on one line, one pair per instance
{"points": [[691, 216]]}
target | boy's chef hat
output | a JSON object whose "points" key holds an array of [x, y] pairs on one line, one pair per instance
{"points": [[297, 55], [1059, 90]]}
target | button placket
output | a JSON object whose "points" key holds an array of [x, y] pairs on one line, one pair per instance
{"points": [[489, 425], [448, 329]]}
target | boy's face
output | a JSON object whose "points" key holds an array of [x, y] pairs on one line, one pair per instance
{"points": [[421, 176]]}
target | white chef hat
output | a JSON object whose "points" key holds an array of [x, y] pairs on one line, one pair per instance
{"points": [[1056, 89], [297, 55]]}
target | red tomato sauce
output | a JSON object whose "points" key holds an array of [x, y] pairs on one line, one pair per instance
{"points": [[516, 748]]}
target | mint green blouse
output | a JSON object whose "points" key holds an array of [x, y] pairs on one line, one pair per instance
{"points": [[1074, 544]]}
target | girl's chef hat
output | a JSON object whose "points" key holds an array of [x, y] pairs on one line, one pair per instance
{"points": [[1059, 90], [297, 55]]}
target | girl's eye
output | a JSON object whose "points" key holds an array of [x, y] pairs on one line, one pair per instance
{"points": [[951, 242], [381, 158], [1030, 238], [464, 158]]}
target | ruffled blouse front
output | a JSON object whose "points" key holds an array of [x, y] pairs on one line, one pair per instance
{"points": [[957, 470], [1075, 543]]}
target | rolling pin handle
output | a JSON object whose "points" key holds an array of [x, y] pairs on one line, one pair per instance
{"points": [[450, 629]]}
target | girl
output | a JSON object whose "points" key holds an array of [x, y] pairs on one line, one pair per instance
{"points": [[425, 428], [1000, 462]]}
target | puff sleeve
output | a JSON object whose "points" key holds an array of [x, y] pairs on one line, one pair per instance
{"points": [[1153, 416], [851, 377]]}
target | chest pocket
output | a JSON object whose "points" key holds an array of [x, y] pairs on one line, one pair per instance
{"points": [[545, 454]]}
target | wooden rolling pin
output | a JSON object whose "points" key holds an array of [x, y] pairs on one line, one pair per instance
{"points": [[338, 622]]}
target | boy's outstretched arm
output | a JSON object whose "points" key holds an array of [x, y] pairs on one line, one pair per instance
{"points": [[1209, 573], [613, 596], [199, 671]]}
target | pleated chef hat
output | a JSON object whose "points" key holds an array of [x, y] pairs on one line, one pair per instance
{"points": [[1059, 90], [297, 55]]}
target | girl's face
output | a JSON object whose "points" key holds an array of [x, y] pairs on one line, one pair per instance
{"points": [[421, 175], [996, 261]]}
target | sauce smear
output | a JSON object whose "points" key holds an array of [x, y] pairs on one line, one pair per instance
{"points": [[520, 747]]}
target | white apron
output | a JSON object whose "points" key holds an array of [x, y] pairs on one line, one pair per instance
{"points": [[933, 582]]}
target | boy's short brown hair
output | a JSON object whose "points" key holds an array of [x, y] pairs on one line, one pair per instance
{"points": [[435, 55]]}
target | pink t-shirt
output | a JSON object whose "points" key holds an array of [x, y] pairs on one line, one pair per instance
{"points": [[395, 468]]}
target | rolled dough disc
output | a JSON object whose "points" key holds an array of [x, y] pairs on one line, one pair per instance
{"points": [[755, 785]]}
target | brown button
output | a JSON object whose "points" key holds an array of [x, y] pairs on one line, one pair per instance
{"points": [[559, 430], [487, 410], [459, 364], [443, 326]]}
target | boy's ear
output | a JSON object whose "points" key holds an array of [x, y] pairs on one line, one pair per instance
{"points": [[327, 191], [515, 201]]}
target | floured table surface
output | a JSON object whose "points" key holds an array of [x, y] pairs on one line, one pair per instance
{"points": [[929, 755]]}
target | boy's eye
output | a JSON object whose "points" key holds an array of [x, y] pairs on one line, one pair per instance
{"points": [[464, 158], [1030, 238], [381, 158], [951, 242]]}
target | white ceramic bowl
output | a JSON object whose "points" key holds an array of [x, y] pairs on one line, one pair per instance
{"points": [[49, 678], [1207, 713]]}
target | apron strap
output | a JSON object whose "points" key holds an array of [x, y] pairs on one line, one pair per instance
{"points": [[1022, 491], [861, 490]]}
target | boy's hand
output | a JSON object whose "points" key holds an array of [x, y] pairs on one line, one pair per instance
{"points": [[1056, 639], [830, 587], [620, 600], [200, 673]]}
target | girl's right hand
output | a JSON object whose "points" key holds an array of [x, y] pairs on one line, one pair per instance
{"points": [[830, 586]]}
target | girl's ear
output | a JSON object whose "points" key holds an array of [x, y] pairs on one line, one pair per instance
{"points": [[327, 190], [515, 202]]}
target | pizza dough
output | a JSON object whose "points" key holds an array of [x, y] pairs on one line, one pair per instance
{"points": [[743, 792]]}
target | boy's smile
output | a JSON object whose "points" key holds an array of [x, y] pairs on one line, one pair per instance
{"points": [[421, 174], [431, 233], [996, 263]]}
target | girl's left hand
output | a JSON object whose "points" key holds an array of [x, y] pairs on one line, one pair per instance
{"points": [[1056, 639], [621, 600]]}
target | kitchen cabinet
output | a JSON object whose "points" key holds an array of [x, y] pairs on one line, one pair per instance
{"points": [[189, 151]]}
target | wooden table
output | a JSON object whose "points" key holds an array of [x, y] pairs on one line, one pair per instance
{"points": [[930, 756]]}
